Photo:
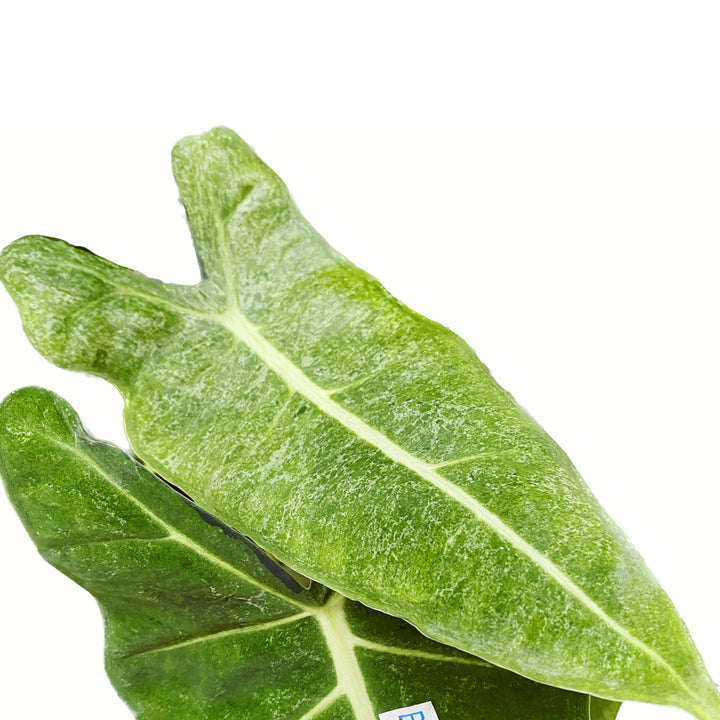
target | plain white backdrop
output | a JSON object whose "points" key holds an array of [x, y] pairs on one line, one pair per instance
{"points": [[580, 261]]}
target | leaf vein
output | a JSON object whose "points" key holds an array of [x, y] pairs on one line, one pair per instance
{"points": [[238, 630], [423, 655]]}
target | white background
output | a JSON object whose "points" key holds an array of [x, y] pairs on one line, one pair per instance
{"points": [[556, 219]]}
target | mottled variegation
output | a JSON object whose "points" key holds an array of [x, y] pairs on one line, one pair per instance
{"points": [[202, 626], [362, 444]]}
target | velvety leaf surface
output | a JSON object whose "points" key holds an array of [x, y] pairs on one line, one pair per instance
{"points": [[362, 444], [201, 625]]}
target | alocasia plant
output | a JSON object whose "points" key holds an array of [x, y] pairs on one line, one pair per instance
{"points": [[200, 624], [363, 445]]}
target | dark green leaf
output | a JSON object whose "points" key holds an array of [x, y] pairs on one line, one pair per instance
{"points": [[200, 624]]}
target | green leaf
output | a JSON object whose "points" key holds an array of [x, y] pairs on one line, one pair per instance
{"points": [[201, 624], [360, 443]]}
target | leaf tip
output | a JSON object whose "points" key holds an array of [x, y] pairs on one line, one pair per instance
{"points": [[25, 410], [194, 148]]}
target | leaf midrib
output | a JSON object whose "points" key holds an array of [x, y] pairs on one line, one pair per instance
{"points": [[340, 641], [247, 333]]}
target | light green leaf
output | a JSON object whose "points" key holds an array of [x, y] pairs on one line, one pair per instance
{"points": [[200, 624], [360, 443]]}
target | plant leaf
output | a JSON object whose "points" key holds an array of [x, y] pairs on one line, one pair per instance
{"points": [[363, 445], [200, 624]]}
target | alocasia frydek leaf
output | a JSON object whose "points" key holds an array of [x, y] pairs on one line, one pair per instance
{"points": [[200, 625], [360, 443]]}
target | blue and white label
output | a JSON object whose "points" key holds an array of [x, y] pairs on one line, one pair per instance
{"points": [[423, 711]]}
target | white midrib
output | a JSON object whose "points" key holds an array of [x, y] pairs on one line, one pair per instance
{"points": [[341, 643], [238, 324]]}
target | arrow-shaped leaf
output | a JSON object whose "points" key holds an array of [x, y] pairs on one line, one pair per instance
{"points": [[200, 624], [363, 445]]}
